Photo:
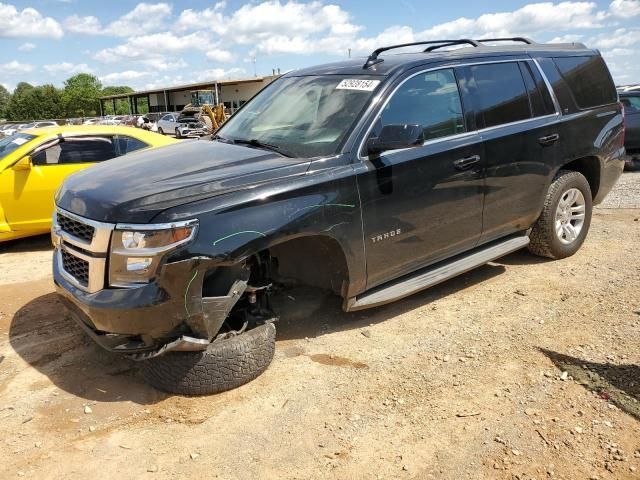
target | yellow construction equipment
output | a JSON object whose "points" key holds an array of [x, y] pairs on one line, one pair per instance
{"points": [[204, 109]]}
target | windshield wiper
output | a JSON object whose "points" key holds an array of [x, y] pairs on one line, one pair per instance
{"points": [[222, 139], [258, 144]]}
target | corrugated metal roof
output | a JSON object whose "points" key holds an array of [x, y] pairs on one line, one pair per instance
{"points": [[190, 86]]}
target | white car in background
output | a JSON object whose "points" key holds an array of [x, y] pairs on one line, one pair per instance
{"points": [[168, 123], [40, 124], [7, 132], [171, 123]]}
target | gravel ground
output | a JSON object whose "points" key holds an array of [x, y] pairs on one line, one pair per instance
{"points": [[521, 369], [626, 193]]}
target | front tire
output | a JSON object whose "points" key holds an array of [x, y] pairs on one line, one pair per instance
{"points": [[224, 365], [178, 133], [160, 131], [564, 222]]}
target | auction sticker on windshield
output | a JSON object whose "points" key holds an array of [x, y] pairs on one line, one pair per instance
{"points": [[357, 84]]}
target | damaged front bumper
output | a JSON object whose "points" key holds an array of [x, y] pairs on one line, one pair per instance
{"points": [[167, 314]]}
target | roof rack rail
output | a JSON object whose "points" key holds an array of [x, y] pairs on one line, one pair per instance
{"points": [[528, 41], [373, 58]]}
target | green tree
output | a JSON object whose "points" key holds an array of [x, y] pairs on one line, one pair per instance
{"points": [[81, 94], [122, 106], [17, 108], [46, 101], [35, 103], [5, 97]]}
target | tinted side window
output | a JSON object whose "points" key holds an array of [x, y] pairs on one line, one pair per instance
{"points": [[77, 150], [429, 99], [632, 104], [129, 144], [541, 102], [501, 94], [589, 80]]}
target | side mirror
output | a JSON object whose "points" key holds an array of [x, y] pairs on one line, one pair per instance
{"points": [[393, 137], [23, 164]]}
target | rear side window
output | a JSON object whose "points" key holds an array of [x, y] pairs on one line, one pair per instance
{"points": [[539, 97], [128, 144], [501, 93], [589, 80]]}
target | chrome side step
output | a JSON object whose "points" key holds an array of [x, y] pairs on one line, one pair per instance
{"points": [[425, 278]]}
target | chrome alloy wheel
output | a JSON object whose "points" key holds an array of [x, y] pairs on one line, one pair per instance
{"points": [[570, 216]]}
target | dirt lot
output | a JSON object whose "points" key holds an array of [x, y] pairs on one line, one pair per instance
{"points": [[520, 369]]}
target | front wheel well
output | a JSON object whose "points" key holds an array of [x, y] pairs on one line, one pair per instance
{"points": [[589, 167], [317, 261]]}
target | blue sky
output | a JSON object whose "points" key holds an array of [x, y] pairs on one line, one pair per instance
{"points": [[146, 45]]}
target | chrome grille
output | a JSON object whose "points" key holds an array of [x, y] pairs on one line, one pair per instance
{"points": [[76, 267], [75, 228], [82, 246]]}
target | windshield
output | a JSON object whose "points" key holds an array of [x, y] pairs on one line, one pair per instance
{"points": [[302, 116], [28, 125], [9, 144]]}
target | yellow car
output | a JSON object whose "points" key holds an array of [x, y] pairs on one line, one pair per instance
{"points": [[33, 164]]}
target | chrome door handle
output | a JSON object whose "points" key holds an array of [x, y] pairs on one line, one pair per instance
{"points": [[466, 162], [549, 139]]}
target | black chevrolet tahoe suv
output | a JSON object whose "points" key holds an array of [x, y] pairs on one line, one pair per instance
{"points": [[374, 178]]}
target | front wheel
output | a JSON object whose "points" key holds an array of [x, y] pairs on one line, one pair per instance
{"points": [[565, 219], [160, 131], [224, 365], [178, 133]]}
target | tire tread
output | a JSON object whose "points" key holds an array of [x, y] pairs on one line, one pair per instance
{"points": [[224, 365], [543, 232]]}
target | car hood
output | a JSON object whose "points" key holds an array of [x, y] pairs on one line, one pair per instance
{"points": [[138, 186]]}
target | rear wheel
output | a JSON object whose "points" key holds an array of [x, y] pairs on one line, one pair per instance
{"points": [[160, 131], [565, 219]]}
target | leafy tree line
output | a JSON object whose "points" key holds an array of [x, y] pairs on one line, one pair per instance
{"points": [[78, 98]]}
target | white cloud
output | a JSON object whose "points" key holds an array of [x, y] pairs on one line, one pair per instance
{"points": [[530, 19], [195, 19], [218, 74], [620, 38], [144, 18], [154, 46], [67, 68], [119, 77], [569, 38], [15, 68], [155, 38], [625, 8], [276, 27], [27, 23], [26, 47], [218, 55], [162, 65], [77, 24]]}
